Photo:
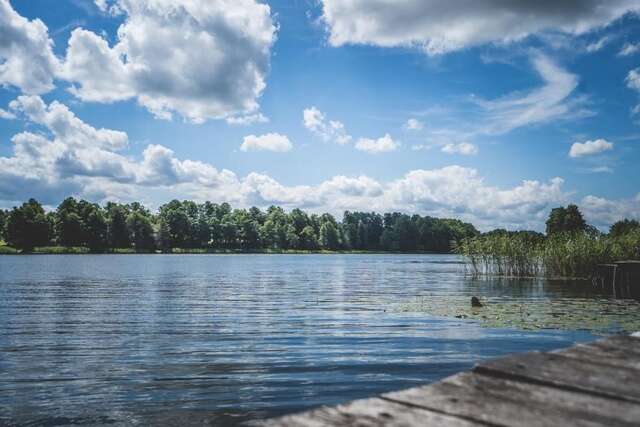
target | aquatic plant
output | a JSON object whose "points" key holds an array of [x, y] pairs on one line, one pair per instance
{"points": [[596, 315], [572, 255]]}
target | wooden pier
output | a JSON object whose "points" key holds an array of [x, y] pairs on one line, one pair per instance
{"points": [[621, 279], [595, 384]]}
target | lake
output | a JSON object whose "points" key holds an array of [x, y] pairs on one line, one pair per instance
{"points": [[225, 339]]}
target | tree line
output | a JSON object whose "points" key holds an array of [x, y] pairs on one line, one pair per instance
{"points": [[210, 226]]}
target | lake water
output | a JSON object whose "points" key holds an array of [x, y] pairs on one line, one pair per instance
{"points": [[224, 339]]}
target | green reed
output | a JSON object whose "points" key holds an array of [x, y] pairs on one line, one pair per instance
{"points": [[563, 255]]}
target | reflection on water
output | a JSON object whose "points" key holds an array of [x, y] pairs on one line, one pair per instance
{"points": [[185, 339]]}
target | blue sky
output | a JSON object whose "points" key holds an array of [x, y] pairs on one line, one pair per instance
{"points": [[489, 113]]}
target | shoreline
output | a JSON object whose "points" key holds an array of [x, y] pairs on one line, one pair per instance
{"points": [[62, 250]]}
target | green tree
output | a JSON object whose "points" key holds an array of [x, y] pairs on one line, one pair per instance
{"points": [[565, 220], [117, 232], [68, 227], [308, 239], [96, 229], [623, 227], [27, 226], [329, 236], [141, 231], [164, 237], [176, 219], [4, 215]]}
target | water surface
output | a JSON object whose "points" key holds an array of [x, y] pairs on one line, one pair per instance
{"points": [[224, 339]]}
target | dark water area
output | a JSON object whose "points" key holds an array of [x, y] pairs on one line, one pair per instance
{"points": [[226, 339]]}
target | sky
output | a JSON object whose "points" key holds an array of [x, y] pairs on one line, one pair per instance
{"points": [[492, 112]]}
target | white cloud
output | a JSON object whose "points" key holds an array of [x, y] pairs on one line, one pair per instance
{"points": [[70, 157], [633, 82], [633, 79], [414, 124], [603, 212], [26, 52], [629, 49], [65, 126], [268, 142], [589, 148], [552, 101], [7, 115], [438, 27], [384, 144], [463, 148], [159, 57], [598, 45], [329, 130], [248, 119]]}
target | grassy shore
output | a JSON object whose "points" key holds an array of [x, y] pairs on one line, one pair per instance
{"points": [[565, 255], [78, 250]]}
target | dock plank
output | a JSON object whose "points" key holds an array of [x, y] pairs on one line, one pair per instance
{"points": [[594, 384], [569, 373], [621, 352], [373, 412], [496, 401]]}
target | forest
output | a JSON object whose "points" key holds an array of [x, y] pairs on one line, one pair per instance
{"points": [[190, 226]]}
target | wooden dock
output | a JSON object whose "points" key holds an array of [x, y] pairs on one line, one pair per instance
{"points": [[595, 384], [621, 278]]}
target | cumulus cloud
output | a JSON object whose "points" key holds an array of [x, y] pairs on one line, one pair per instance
{"points": [[629, 49], [603, 212], [463, 148], [62, 155], [329, 130], [268, 142], [384, 144], [439, 27], [589, 148], [414, 124], [65, 126], [158, 58], [26, 52]]}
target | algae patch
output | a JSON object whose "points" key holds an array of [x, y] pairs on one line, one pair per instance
{"points": [[597, 315]]}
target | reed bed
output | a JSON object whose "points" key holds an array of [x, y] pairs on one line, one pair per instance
{"points": [[564, 255]]}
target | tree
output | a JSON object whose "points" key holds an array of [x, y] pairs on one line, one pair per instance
{"points": [[4, 215], [164, 237], [117, 232], [96, 229], [176, 219], [565, 220], [141, 232], [68, 227], [308, 239], [623, 227], [329, 236], [27, 226]]}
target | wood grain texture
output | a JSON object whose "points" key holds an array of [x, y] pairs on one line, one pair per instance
{"points": [[594, 384]]}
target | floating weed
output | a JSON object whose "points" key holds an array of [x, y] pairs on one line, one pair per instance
{"points": [[599, 316]]}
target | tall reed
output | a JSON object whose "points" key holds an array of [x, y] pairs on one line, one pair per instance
{"points": [[564, 255]]}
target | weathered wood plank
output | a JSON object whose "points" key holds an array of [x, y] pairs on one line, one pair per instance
{"points": [[507, 403], [370, 413], [621, 351], [595, 384], [569, 373]]}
